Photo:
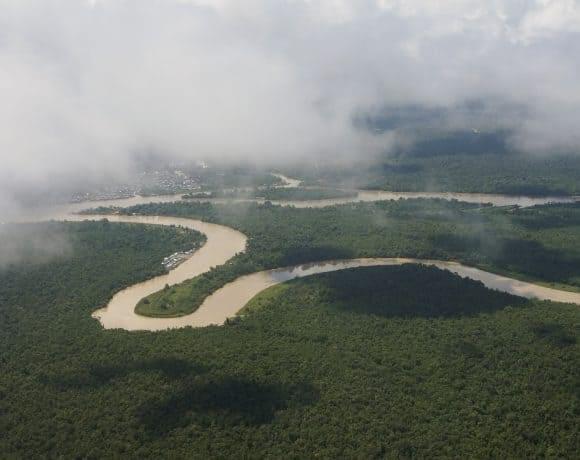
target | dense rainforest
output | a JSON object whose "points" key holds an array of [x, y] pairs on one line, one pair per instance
{"points": [[446, 168], [378, 362], [273, 193], [100, 257], [302, 193], [540, 244]]}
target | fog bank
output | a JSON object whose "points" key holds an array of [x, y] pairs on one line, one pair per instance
{"points": [[85, 85], [32, 244]]}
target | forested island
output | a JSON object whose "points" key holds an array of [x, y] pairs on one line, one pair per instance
{"points": [[273, 194], [303, 193]]}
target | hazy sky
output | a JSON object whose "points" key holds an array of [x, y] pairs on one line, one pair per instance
{"points": [[84, 84]]}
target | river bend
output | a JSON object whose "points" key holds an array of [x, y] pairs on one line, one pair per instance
{"points": [[223, 243]]}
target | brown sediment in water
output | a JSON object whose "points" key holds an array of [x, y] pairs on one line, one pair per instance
{"points": [[223, 243]]}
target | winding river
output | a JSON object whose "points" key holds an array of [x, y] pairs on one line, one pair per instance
{"points": [[379, 195], [62, 211], [223, 243]]}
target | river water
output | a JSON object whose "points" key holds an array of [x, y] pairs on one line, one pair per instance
{"points": [[371, 195], [62, 211], [230, 299], [223, 243]]}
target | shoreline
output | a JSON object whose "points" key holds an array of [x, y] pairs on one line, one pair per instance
{"points": [[223, 243], [227, 301]]}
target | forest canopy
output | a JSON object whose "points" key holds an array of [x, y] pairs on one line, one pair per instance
{"points": [[385, 370], [540, 244]]}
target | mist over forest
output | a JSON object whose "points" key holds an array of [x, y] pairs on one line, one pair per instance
{"points": [[289, 229], [88, 86]]}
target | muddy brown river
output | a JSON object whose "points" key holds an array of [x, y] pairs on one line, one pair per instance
{"points": [[223, 243], [361, 196]]}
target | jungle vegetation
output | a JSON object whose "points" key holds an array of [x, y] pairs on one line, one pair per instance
{"points": [[445, 167], [274, 194], [303, 193], [382, 362], [539, 244]]}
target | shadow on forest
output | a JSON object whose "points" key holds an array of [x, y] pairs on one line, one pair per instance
{"points": [[98, 375], [554, 333], [410, 168], [410, 291], [226, 401], [523, 256], [465, 348], [304, 254], [550, 216], [206, 401]]}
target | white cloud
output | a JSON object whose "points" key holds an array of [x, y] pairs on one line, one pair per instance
{"points": [[549, 18], [85, 84]]}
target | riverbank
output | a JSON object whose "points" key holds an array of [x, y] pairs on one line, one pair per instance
{"points": [[61, 211], [223, 243]]}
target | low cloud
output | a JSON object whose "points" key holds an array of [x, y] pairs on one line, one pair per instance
{"points": [[86, 84], [32, 244]]}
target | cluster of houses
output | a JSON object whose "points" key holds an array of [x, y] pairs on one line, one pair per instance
{"points": [[167, 181], [145, 183], [174, 260], [104, 194]]}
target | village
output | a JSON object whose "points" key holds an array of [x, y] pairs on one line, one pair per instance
{"points": [[158, 182], [172, 261]]}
